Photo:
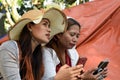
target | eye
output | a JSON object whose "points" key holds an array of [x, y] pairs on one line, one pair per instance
{"points": [[78, 35], [46, 24], [72, 34]]}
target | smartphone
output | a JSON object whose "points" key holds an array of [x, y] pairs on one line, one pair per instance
{"points": [[103, 64], [82, 60]]}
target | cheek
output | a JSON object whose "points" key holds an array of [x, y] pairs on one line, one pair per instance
{"points": [[37, 32], [66, 40]]}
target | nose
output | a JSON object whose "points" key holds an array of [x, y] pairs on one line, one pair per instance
{"points": [[49, 29], [75, 39]]}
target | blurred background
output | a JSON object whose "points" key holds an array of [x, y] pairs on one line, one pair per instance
{"points": [[11, 10]]}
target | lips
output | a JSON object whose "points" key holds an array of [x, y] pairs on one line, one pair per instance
{"points": [[48, 36], [72, 44]]}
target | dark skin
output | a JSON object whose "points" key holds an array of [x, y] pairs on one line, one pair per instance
{"points": [[89, 75]]}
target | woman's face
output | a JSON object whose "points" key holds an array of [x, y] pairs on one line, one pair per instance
{"points": [[69, 39], [41, 31]]}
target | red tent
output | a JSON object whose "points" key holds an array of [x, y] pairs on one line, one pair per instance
{"points": [[100, 33]]}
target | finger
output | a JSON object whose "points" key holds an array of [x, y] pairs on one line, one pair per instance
{"points": [[81, 65], [100, 77], [74, 78], [65, 66], [75, 72], [77, 67], [104, 72], [104, 76], [105, 69], [79, 77], [78, 71]]}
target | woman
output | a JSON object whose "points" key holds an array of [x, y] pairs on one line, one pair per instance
{"points": [[21, 57], [60, 56]]}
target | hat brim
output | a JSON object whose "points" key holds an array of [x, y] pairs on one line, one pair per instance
{"points": [[58, 21], [57, 18], [16, 30]]}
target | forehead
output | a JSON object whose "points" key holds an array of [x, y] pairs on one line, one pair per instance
{"points": [[45, 20], [74, 27]]}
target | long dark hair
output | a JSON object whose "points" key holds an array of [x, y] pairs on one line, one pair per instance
{"points": [[53, 43], [31, 66]]}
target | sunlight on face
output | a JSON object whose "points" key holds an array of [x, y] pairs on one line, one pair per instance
{"points": [[41, 31], [70, 37]]}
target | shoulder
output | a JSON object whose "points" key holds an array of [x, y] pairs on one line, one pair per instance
{"points": [[9, 46], [73, 55], [46, 49], [50, 54], [49, 51]]}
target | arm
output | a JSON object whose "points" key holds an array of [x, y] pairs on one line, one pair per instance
{"points": [[9, 66], [65, 73]]}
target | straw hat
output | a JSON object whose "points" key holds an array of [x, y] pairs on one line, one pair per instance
{"points": [[57, 19]]}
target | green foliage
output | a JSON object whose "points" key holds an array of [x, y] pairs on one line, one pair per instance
{"points": [[81, 1], [26, 5], [58, 1], [70, 2], [19, 2], [13, 12]]}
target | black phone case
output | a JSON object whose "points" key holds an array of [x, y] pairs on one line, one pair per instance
{"points": [[101, 66]]}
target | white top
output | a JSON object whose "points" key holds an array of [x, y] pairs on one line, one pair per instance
{"points": [[9, 62], [51, 60]]}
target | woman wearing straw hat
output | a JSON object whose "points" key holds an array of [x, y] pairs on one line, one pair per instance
{"points": [[60, 56], [21, 56]]}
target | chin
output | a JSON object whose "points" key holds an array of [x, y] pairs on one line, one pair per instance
{"points": [[70, 47], [46, 41]]}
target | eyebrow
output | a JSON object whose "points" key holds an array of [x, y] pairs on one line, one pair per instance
{"points": [[46, 20]]}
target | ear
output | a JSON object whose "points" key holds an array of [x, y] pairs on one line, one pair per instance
{"points": [[29, 27], [59, 35]]}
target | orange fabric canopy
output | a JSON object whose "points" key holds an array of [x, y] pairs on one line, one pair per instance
{"points": [[100, 33], [3, 39]]}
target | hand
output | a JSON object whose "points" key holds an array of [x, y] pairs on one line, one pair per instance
{"points": [[102, 74], [89, 75], [68, 73]]}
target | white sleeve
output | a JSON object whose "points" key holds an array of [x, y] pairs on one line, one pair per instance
{"points": [[9, 67], [49, 60]]}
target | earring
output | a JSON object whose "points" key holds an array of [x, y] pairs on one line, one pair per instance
{"points": [[30, 30]]}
